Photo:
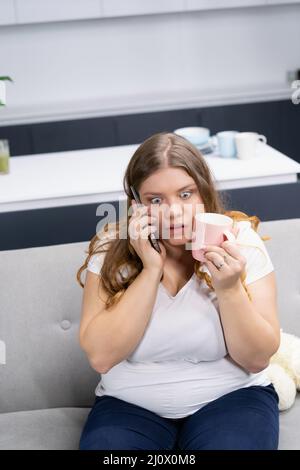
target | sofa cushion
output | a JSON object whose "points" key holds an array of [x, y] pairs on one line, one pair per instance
{"points": [[289, 427], [284, 249], [40, 303], [53, 429], [60, 428]]}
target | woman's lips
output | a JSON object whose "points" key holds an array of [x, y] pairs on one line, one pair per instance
{"points": [[181, 230]]}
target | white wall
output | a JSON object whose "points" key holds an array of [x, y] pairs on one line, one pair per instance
{"points": [[95, 67]]}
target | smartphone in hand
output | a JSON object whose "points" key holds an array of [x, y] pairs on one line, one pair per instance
{"points": [[151, 237]]}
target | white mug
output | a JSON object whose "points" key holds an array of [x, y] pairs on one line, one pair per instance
{"points": [[246, 144]]}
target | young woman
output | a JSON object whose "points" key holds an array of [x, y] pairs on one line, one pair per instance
{"points": [[181, 345]]}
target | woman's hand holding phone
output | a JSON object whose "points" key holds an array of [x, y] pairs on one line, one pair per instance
{"points": [[141, 224]]}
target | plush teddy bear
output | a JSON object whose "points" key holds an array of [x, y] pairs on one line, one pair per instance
{"points": [[284, 369]]}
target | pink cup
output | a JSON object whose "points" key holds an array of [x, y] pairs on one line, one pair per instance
{"points": [[210, 229]]}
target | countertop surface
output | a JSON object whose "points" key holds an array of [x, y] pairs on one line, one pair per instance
{"points": [[96, 175]]}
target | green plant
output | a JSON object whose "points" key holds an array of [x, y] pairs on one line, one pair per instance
{"points": [[7, 79]]}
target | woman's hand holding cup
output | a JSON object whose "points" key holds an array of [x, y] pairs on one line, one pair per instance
{"points": [[222, 258]]}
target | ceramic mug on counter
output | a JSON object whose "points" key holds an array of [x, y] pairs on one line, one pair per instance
{"points": [[225, 140], [196, 135], [246, 144]]}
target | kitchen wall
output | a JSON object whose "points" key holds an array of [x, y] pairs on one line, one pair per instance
{"points": [[67, 70]]}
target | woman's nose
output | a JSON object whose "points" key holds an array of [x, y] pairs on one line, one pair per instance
{"points": [[175, 210]]}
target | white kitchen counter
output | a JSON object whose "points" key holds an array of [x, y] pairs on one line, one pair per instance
{"points": [[96, 175]]}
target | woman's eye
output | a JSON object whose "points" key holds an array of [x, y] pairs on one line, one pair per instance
{"points": [[151, 201], [186, 192], [155, 198]]}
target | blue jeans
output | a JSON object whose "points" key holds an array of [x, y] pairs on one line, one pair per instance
{"points": [[247, 418]]}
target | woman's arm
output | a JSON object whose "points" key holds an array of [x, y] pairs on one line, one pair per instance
{"points": [[251, 328], [109, 336]]}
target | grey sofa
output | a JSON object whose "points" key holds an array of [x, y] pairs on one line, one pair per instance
{"points": [[47, 385]]}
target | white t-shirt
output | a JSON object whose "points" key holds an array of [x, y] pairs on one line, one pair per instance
{"points": [[181, 362]]}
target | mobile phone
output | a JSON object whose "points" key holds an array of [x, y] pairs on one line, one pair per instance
{"points": [[151, 237]]}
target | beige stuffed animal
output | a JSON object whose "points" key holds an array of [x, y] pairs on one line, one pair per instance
{"points": [[284, 370]]}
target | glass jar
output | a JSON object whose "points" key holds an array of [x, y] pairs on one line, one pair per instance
{"points": [[4, 157]]}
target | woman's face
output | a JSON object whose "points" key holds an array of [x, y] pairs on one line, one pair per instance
{"points": [[172, 195]]}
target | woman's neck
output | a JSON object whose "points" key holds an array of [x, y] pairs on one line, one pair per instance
{"points": [[178, 256]]}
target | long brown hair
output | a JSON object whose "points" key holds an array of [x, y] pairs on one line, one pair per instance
{"points": [[161, 150]]}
